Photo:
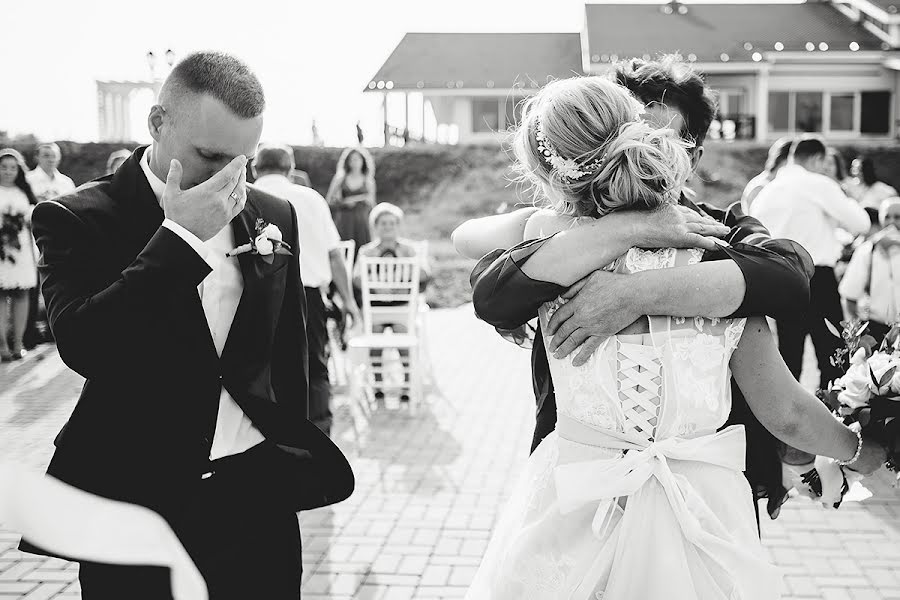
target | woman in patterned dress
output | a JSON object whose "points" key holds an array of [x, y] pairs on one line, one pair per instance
{"points": [[18, 257]]}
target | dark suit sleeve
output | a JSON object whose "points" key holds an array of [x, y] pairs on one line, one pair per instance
{"points": [[98, 331], [503, 295], [290, 362], [776, 271]]}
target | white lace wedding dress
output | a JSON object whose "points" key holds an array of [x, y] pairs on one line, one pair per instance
{"points": [[636, 495]]}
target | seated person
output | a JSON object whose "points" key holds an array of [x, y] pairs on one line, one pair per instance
{"points": [[385, 221], [874, 275]]}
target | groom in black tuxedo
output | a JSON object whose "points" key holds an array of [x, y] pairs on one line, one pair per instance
{"points": [[196, 362]]}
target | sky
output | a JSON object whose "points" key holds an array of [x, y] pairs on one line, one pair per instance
{"points": [[312, 57]]}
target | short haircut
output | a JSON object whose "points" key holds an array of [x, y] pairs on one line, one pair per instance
{"points": [[808, 146], [222, 76], [274, 158], [672, 82], [886, 205], [384, 208], [52, 146]]}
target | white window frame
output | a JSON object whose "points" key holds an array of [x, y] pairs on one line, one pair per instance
{"points": [[826, 114]]}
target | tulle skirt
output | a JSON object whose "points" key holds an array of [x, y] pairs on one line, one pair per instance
{"points": [[541, 550]]}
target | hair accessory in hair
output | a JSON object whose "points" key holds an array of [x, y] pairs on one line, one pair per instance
{"points": [[568, 168]]}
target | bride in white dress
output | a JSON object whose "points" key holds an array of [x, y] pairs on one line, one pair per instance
{"points": [[638, 494]]}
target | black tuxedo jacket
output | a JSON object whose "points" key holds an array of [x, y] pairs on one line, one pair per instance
{"points": [[776, 272], [122, 301]]}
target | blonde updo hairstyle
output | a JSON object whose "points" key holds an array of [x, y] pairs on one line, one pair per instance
{"points": [[592, 119]]}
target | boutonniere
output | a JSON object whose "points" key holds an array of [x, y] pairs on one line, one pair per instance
{"points": [[267, 243]]}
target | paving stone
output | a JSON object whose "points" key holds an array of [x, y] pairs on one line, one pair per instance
{"points": [[427, 498]]}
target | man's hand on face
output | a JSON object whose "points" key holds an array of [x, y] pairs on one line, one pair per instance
{"points": [[208, 207], [599, 306], [676, 226]]}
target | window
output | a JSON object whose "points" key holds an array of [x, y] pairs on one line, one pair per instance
{"points": [[731, 104], [875, 114], [809, 112], [779, 111], [485, 115], [842, 112]]}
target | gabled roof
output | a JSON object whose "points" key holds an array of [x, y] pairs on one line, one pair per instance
{"points": [[718, 32], [891, 7], [480, 60]]}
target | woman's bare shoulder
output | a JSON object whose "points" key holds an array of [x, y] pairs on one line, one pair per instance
{"points": [[547, 222]]}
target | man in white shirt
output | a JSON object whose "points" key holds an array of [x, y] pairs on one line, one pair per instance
{"points": [[321, 262], [804, 205], [46, 181]]}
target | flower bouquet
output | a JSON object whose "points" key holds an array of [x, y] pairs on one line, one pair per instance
{"points": [[11, 225], [868, 395]]}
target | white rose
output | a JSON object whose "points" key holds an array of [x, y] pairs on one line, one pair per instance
{"points": [[273, 233], [264, 247], [880, 363], [895, 382], [857, 386]]}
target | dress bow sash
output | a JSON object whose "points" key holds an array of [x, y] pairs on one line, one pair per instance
{"points": [[602, 481]]}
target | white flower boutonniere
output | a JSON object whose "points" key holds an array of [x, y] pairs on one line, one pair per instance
{"points": [[268, 242]]}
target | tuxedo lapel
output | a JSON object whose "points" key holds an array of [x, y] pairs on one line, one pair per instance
{"points": [[143, 212], [243, 227]]}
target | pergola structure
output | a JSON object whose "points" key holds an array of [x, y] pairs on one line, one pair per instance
{"points": [[114, 107]]}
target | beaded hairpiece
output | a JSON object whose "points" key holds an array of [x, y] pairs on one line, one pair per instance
{"points": [[568, 168]]}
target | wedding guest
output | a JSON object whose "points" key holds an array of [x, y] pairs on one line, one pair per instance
{"points": [[116, 159], [803, 205], [386, 222], [777, 156], [871, 285], [321, 263], [865, 187], [46, 181], [18, 264], [351, 195]]}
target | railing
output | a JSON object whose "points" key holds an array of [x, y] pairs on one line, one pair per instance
{"points": [[733, 127]]}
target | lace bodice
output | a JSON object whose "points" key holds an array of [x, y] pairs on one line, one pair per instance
{"points": [[672, 381]]}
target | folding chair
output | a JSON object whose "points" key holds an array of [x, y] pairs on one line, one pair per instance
{"points": [[390, 295]]}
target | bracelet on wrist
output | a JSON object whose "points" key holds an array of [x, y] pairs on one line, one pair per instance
{"points": [[859, 445]]}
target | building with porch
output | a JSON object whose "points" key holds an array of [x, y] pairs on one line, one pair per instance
{"points": [[829, 67]]}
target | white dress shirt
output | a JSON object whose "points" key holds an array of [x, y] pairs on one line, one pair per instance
{"points": [[318, 234], [876, 274], [220, 294], [48, 187], [808, 208]]}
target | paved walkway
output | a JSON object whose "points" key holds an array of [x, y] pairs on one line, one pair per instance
{"points": [[429, 487]]}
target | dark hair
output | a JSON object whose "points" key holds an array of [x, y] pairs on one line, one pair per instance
{"points": [[867, 170], [21, 182], [223, 77], [808, 146], [365, 163], [840, 165], [274, 158], [778, 154], [670, 81]]}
